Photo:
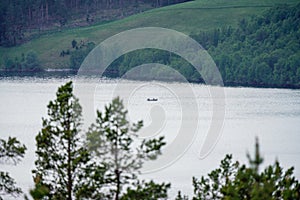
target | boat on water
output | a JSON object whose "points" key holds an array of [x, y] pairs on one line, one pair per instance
{"points": [[152, 99]]}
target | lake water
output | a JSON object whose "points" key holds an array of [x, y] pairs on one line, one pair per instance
{"points": [[273, 115]]}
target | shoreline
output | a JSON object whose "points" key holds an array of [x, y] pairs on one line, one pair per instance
{"points": [[70, 73]]}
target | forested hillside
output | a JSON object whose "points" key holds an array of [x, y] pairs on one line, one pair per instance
{"points": [[254, 43], [260, 51], [21, 20]]}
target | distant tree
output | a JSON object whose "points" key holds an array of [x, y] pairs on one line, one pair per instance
{"points": [[9, 64], [74, 44], [181, 197], [31, 62], [62, 160], [111, 140], [78, 56], [234, 181], [11, 152], [147, 191]]}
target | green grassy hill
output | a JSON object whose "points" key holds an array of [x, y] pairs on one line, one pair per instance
{"points": [[189, 18]]}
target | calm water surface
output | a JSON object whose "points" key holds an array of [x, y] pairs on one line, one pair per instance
{"points": [[271, 114]]}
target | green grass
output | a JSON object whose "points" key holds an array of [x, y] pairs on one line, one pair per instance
{"points": [[189, 18]]}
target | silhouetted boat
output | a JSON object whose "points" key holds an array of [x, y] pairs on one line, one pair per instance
{"points": [[152, 99]]}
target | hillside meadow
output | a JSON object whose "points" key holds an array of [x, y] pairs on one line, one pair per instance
{"points": [[189, 18]]}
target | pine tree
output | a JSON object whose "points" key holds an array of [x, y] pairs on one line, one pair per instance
{"points": [[11, 152], [62, 160], [234, 181], [111, 140]]}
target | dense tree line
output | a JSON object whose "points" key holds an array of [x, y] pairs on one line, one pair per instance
{"points": [[260, 51], [27, 63], [18, 16]]}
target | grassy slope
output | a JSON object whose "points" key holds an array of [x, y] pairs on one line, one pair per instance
{"points": [[189, 17]]}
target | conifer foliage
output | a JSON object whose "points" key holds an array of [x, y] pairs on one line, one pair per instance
{"points": [[111, 139], [235, 181], [11, 152], [61, 155]]}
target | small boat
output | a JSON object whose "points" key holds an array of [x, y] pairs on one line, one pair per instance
{"points": [[152, 99]]}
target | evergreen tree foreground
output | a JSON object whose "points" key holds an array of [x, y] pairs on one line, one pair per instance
{"points": [[235, 181], [11, 152], [104, 165]]}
